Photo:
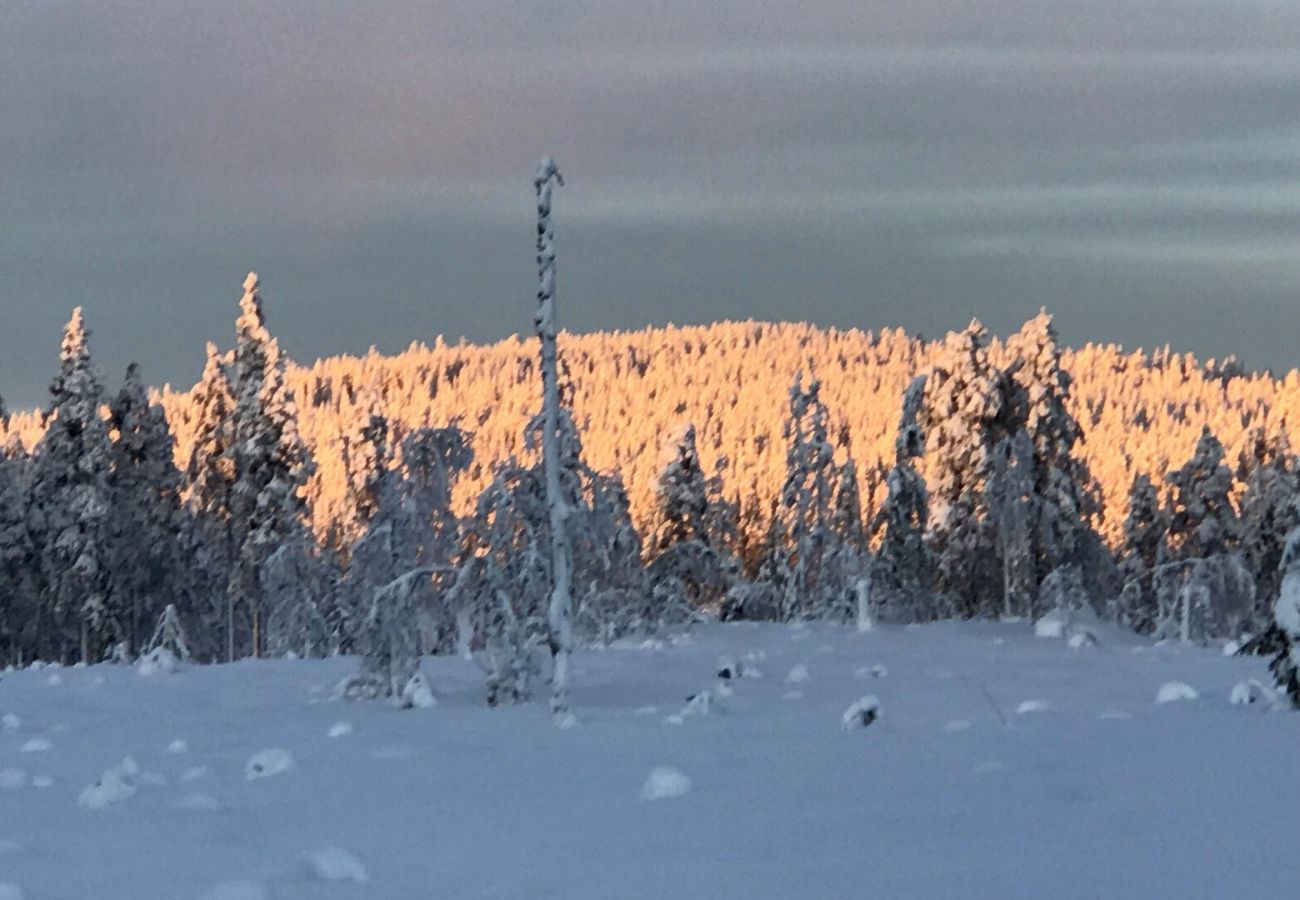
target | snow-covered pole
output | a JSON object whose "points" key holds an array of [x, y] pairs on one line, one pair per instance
{"points": [[558, 613]]}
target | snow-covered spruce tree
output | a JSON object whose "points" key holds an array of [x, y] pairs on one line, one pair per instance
{"points": [[210, 484], [146, 558], [803, 539], [1286, 622], [1143, 551], [169, 635], [559, 612], [390, 668], [1014, 506], [431, 461], [70, 506], [1065, 493], [1270, 508], [901, 572], [272, 464], [19, 602], [1215, 595], [969, 408], [684, 560]]}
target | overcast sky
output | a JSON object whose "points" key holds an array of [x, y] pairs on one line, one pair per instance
{"points": [[1133, 165]]}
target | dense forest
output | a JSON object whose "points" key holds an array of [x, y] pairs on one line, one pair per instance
{"points": [[742, 469]]}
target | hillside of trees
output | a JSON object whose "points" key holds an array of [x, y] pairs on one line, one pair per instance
{"points": [[747, 469]]}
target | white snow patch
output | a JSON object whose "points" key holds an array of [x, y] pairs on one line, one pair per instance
{"points": [[1051, 625], [13, 779], [54, 680], [1081, 639], [237, 890], [674, 719], [10, 722], [199, 803], [268, 762], [1247, 693], [42, 781], [861, 713], [1172, 691], [178, 746], [1033, 706], [665, 783], [336, 864], [871, 672], [341, 729], [417, 693], [797, 675], [1231, 648], [116, 785], [158, 661], [700, 704], [37, 745], [194, 773]]}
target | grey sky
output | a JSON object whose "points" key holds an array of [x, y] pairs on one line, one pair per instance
{"points": [[1134, 165]]}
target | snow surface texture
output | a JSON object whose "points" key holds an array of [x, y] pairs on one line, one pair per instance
{"points": [[1103, 796]]}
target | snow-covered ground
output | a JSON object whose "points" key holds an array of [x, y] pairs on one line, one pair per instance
{"points": [[999, 765]]}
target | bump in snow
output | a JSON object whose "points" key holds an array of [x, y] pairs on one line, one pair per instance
{"points": [[336, 864], [116, 785], [665, 783], [340, 729], [861, 713], [268, 762], [1252, 692], [36, 745], [1172, 691], [797, 675], [178, 746], [1033, 706]]}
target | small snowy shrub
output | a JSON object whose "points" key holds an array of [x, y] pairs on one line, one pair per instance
{"points": [[1248, 693], [158, 661], [115, 786], [861, 713]]}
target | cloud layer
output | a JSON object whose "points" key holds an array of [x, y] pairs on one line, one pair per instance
{"points": [[1134, 166]]}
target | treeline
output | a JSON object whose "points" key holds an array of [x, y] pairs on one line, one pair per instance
{"points": [[275, 507]]}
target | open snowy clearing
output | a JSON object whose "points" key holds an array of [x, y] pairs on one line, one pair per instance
{"points": [[998, 765]]}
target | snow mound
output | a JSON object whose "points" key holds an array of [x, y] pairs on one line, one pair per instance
{"points": [[797, 675], [1033, 706], [870, 672], [665, 783], [1232, 647], [336, 864], [1248, 693], [237, 890], [42, 781], [1081, 639], [700, 704], [1116, 714], [37, 745], [199, 803], [416, 694], [12, 779], [10, 891], [194, 773], [565, 719], [1051, 625], [116, 785], [861, 713], [158, 661], [54, 680], [178, 746], [340, 729], [268, 762], [1172, 691], [10, 722]]}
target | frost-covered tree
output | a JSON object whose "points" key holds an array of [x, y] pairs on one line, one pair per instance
{"points": [[1014, 506], [902, 571], [69, 507], [1142, 554], [146, 557], [390, 666], [689, 558], [18, 562], [271, 463], [210, 485], [1064, 491], [969, 408], [1215, 595], [1270, 509], [1286, 622], [560, 607]]}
